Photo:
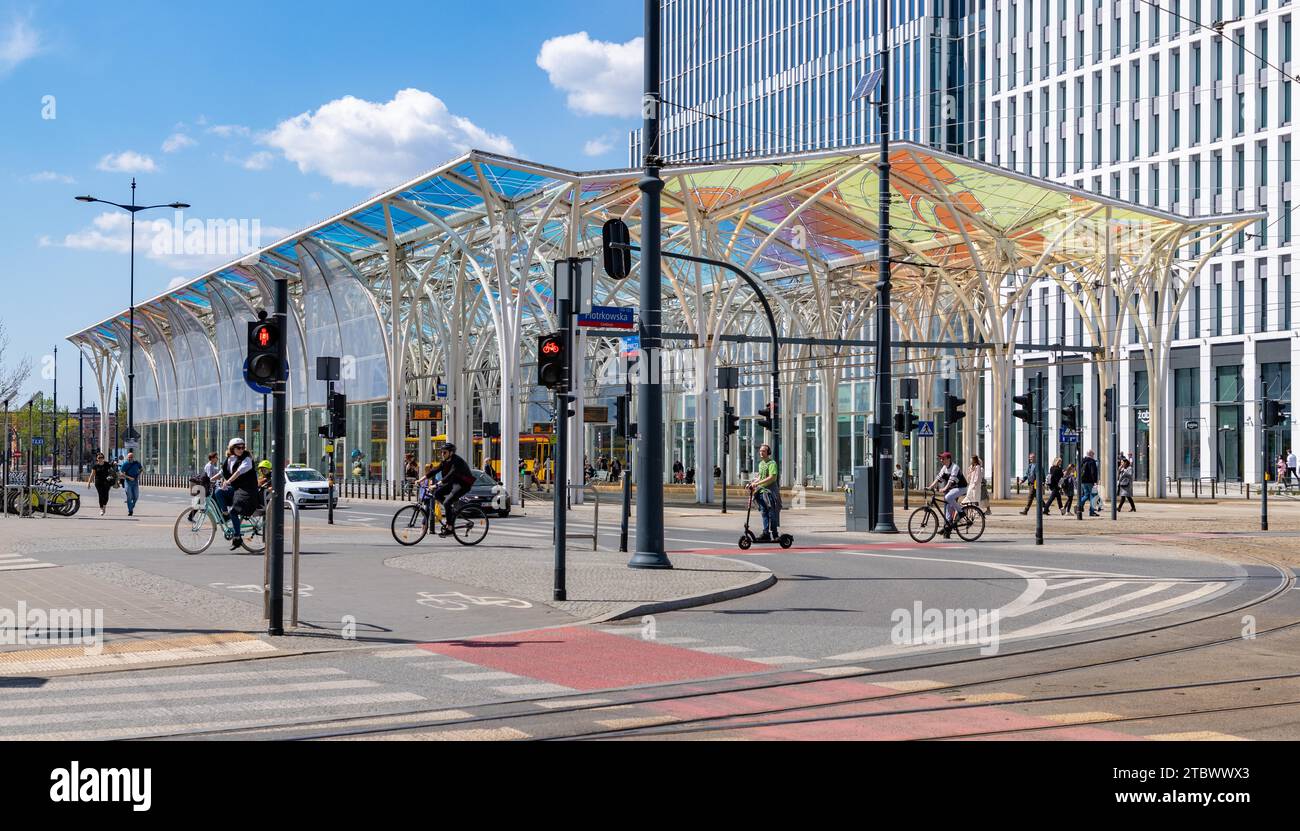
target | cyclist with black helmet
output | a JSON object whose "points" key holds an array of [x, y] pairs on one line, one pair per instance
{"points": [[455, 480]]}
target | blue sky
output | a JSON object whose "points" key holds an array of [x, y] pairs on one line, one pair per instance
{"points": [[280, 113]]}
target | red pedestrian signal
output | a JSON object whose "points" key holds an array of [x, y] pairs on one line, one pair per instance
{"points": [[551, 361]]}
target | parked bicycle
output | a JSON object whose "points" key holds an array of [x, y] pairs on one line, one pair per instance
{"points": [[413, 522], [46, 495], [931, 518], [196, 528]]}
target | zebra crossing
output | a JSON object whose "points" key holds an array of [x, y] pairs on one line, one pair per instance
{"points": [[137, 705], [17, 562]]}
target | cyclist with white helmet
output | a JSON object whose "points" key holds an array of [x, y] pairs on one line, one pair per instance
{"points": [[240, 494]]}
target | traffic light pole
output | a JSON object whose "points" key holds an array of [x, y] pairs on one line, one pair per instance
{"points": [[1263, 458], [1078, 476], [1114, 450], [881, 429], [1038, 468], [650, 551], [907, 450], [560, 492], [275, 606], [627, 465], [329, 416]]}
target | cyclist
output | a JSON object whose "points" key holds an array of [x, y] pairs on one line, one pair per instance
{"points": [[456, 480], [953, 483], [240, 495]]}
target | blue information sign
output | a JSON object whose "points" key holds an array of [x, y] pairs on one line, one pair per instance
{"points": [[925, 429], [1069, 436]]}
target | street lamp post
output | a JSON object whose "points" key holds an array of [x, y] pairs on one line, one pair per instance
{"points": [[132, 209], [881, 428]]}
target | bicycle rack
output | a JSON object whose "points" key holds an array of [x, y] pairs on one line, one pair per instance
{"points": [[595, 518]]}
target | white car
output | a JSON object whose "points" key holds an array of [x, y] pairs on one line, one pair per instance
{"points": [[306, 487]]}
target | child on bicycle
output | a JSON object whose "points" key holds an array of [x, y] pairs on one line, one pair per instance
{"points": [[954, 486]]}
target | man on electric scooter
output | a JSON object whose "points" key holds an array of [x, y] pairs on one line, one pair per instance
{"points": [[767, 493]]}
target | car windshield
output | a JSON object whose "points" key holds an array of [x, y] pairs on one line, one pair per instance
{"points": [[299, 474], [483, 478]]}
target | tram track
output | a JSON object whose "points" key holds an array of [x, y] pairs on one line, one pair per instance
{"points": [[338, 728]]}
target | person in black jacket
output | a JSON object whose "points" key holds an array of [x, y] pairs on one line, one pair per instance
{"points": [[1031, 476], [1089, 473], [1054, 475], [455, 481], [241, 494]]}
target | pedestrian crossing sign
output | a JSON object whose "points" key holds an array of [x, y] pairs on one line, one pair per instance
{"points": [[925, 429]]}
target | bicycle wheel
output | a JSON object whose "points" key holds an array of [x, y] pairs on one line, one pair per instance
{"points": [[254, 537], [923, 524], [970, 523], [71, 504], [410, 524], [194, 531], [471, 525]]}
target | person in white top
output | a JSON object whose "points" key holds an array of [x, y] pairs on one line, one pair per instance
{"points": [[1290, 466], [953, 484], [974, 481], [212, 469]]}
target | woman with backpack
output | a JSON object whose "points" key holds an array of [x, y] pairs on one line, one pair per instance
{"points": [[1054, 476], [1067, 487]]}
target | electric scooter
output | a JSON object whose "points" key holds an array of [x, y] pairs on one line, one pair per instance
{"points": [[750, 538]]}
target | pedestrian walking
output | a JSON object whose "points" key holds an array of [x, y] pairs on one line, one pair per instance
{"points": [[1068, 482], [1054, 476], [131, 470], [1031, 476], [1089, 474], [1124, 482], [103, 475], [1281, 471], [1290, 467], [974, 483]]}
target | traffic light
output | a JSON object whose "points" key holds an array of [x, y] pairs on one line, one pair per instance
{"points": [[264, 364], [1026, 411], [337, 408], [730, 421], [614, 241], [550, 360], [1274, 415], [620, 416], [909, 422], [950, 404], [765, 418], [1108, 403], [1070, 418], [898, 421]]}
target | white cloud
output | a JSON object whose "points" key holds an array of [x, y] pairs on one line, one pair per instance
{"points": [[177, 142], [230, 130], [598, 146], [18, 42], [356, 142], [202, 244], [177, 282], [260, 160], [600, 78], [51, 176], [127, 162]]}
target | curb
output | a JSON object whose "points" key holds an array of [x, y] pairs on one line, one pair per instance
{"points": [[763, 579]]}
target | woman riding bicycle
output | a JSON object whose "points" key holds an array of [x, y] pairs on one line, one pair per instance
{"points": [[954, 486]]}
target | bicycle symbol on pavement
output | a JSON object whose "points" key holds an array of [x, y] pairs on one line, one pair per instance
{"points": [[459, 602]]}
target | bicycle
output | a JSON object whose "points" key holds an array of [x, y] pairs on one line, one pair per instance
{"points": [[931, 518], [411, 523], [196, 528]]}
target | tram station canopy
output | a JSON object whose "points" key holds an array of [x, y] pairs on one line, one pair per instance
{"points": [[451, 271]]}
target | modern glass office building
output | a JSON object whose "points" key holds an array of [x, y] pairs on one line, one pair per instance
{"points": [[1183, 105]]}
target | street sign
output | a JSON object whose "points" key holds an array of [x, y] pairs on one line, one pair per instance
{"points": [[1068, 436], [442, 391], [327, 368], [582, 283], [909, 388], [37, 441], [728, 377], [925, 429], [632, 346], [608, 317]]}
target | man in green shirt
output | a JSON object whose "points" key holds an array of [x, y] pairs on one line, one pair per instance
{"points": [[767, 493]]}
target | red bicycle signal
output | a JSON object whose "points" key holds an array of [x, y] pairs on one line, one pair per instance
{"points": [[551, 347]]}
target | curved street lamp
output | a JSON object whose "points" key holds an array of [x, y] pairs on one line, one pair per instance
{"points": [[132, 209]]}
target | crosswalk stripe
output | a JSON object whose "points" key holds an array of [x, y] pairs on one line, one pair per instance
{"points": [[487, 734], [203, 710], [722, 650], [532, 689], [778, 660], [481, 676], [41, 702], [26, 689], [21, 567], [832, 672]]}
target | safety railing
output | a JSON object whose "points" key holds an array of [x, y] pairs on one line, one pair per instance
{"points": [[295, 591], [595, 516]]}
